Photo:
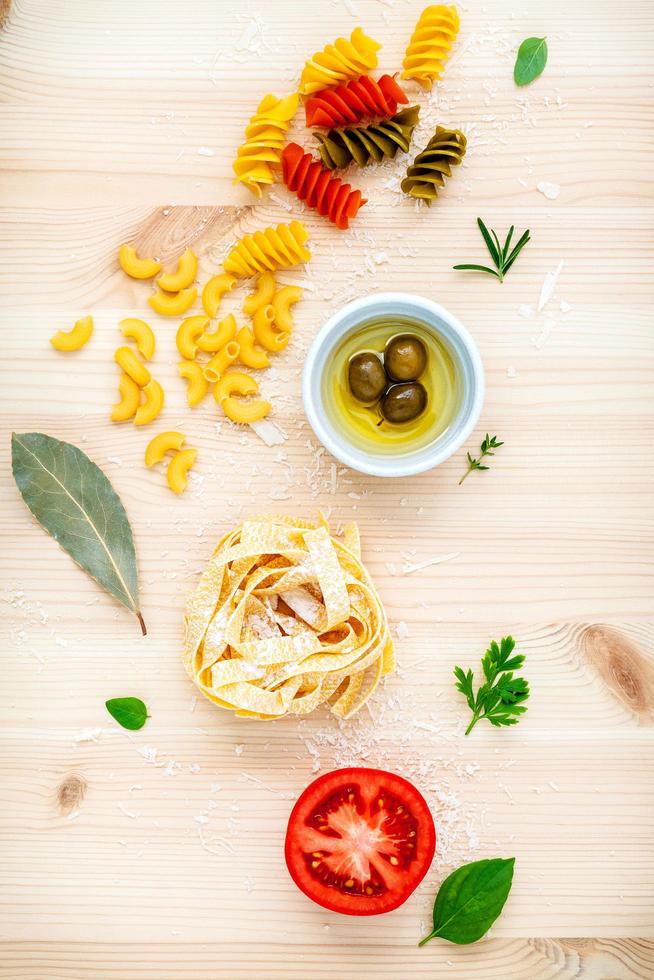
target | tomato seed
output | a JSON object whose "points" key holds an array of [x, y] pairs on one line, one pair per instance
{"points": [[349, 883], [394, 860]]}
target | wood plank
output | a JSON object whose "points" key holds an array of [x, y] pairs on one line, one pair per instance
{"points": [[121, 125]]}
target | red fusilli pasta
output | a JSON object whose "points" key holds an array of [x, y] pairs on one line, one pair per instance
{"points": [[318, 187], [354, 101]]}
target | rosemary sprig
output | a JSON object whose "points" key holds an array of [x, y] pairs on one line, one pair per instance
{"points": [[486, 449], [501, 256], [499, 699]]}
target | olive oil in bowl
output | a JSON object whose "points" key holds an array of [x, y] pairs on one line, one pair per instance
{"points": [[364, 425]]}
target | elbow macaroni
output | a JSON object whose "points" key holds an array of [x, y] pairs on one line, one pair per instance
{"points": [[188, 334], [129, 362], [161, 444], [250, 355], [264, 331], [234, 383], [283, 299], [238, 383], [262, 295], [141, 334], [130, 395], [213, 291], [151, 407], [221, 361], [173, 304], [213, 342], [134, 266], [178, 468], [198, 385], [183, 276], [245, 412], [69, 340]]}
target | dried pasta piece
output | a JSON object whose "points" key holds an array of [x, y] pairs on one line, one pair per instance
{"points": [[282, 301], [270, 249], [313, 183], [249, 354], [161, 444], [213, 291], [134, 266], [358, 99], [361, 144], [129, 362], [263, 325], [130, 396], [173, 304], [220, 361], [212, 342], [184, 274], [178, 467], [262, 295], [430, 44], [198, 386], [286, 618], [428, 171], [151, 407], [141, 334], [338, 61], [188, 335], [74, 339], [264, 141]]}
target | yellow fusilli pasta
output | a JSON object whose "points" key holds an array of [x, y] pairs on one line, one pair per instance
{"points": [[338, 61], [273, 248], [264, 141], [430, 44]]}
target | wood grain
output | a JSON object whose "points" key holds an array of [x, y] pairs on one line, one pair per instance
{"points": [[158, 853]]}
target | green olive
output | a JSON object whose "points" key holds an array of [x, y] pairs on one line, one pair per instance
{"points": [[404, 402], [367, 377], [405, 358]]}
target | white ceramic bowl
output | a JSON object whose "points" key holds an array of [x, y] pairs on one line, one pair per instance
{"points": [[460, 346]]}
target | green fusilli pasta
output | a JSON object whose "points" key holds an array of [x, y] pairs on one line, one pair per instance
{"points": [[362, 144], [428, 171]]}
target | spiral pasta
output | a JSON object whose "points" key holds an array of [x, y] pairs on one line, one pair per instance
{"points": [[428, 171], [273, 248], [361, 144], [338, 61], [356, 100], [430, 44], [285, 618], [313, 183], [264, 140]]}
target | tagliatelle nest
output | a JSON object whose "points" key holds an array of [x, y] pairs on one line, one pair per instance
{"points": [[286, 618]]}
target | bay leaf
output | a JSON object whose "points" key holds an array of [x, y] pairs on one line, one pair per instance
{"points": [[75, 502]]}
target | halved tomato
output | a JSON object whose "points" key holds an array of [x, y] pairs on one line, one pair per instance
{"points": [[359, 841]]}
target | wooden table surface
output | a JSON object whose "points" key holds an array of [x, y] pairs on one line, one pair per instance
{"points": [[118, 122]]}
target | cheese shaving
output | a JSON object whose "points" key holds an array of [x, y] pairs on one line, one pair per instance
{"points": [[285, 618]]}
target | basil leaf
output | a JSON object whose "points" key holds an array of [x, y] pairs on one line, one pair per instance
{"points": [[129, 712], [75, 502], [470, 900], [531, 60]]}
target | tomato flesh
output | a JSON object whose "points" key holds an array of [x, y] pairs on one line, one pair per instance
{"points": [[359, 841]]}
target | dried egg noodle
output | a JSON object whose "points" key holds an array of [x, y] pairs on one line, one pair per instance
{"points": [[286, 618]]}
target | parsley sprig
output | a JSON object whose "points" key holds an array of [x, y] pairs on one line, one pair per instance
{"points": [[486, 449], [499, 699], [502, 258]]}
